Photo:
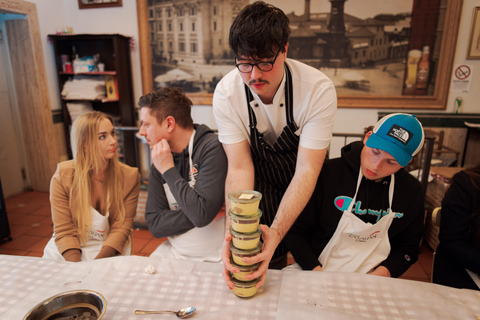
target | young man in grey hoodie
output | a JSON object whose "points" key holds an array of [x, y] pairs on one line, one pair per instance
{"points": [[186, 181]]}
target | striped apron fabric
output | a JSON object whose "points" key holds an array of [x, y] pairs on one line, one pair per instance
{"points": [[274, 165]]}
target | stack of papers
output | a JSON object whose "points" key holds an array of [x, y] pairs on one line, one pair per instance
{"points": [[77, 108], [84, 88]]}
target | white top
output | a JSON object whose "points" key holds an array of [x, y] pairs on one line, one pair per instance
{"points": [[97, 233], [314, 103]]}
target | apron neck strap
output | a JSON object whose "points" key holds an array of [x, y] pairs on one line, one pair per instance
{"points": [[288, 94], [190, 154], [390, 190]]}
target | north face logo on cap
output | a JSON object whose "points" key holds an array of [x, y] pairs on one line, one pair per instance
{"points": [[401, 134]]}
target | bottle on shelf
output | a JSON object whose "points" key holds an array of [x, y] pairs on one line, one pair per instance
{"points": [[423, 69]]}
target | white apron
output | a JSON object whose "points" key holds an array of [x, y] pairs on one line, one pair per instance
{"points": [[357, 246], [198, 244], [475, 277], [96, 236]]}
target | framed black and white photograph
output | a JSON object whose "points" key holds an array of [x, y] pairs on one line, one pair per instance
{"points": [[92, 4], [379, 54]]}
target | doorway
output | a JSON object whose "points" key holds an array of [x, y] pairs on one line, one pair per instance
{"points": [[32, 103], [12, 156]]}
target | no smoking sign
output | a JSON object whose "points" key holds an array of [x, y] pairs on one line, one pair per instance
{"points": [[461, 79], [462, 72]]}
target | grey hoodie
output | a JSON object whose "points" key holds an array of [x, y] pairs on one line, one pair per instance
{"points": [[198, 206]]}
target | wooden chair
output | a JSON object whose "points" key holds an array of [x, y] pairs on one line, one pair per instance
{"points": [[440, 148], [130, 241], [347, 138], [422, 161], [436, 216]]}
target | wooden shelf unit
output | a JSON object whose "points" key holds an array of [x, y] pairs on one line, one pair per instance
{"points": [[114, 52]]}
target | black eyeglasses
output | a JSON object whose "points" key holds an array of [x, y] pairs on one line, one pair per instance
{"points": [[263, 66]]}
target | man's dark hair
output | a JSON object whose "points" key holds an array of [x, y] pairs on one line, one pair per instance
{"points": [[259, 31], [166, 102]]}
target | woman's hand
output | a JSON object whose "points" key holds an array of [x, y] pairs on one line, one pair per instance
{"points": [[72, 255], [106, 252]]}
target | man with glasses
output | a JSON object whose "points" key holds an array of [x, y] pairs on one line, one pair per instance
{"points": [[275, 118]]}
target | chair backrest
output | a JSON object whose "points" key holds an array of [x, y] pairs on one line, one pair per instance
{"points": [[436, 215], [421, 162], [337, 142]]}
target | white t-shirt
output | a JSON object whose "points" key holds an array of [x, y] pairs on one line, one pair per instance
{"points": [[314, 103]]}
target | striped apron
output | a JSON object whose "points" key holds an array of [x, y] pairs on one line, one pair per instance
{"points": [[274, 165]]}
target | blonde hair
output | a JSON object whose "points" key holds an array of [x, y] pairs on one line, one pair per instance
{"points": [[88, 160]]}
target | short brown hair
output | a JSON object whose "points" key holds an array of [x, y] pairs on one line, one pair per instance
{"points": [[367, 130], [166, 102]]}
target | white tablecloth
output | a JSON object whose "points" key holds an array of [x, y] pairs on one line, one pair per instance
{"points": [[26, 281], [331, 295]]}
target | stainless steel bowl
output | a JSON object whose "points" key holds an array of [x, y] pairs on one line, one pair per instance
{"points": [[77, 304]]}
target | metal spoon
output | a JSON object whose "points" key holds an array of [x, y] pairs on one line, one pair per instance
{"points": [[183, 313]]}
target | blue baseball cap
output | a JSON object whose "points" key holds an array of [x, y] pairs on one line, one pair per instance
{"points": [[399, 134]]}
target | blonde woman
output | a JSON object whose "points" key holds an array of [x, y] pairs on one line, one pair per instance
{"points": [[93, 197]]}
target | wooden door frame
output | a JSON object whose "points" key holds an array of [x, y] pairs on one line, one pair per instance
{"points": [[28, 65]]}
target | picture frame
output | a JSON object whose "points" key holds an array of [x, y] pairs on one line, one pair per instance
{"points": [[474, 41], [436, 101], [94, 4]]}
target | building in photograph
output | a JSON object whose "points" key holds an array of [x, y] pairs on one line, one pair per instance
{"points": [[189, 39], [190, 32], [338, 39]]}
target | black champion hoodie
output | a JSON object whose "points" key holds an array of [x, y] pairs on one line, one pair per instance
{"points": [[334, 191]]}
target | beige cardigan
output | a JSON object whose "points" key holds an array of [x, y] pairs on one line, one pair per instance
{"points": [[64, 217]]}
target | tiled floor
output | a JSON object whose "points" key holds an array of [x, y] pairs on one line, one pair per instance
{"points": [[31, 228], [30, 221]]}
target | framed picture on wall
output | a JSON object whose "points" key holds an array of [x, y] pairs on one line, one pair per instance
{"points": [[92, 4], [474, 43], [186, 45]]}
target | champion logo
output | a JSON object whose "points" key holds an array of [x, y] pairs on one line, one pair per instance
{"points": [[400, 134], [342, 203]]}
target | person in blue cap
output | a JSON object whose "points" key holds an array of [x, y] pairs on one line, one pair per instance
{"points": [[366, 213]]}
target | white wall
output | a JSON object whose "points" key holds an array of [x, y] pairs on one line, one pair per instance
{"points": [[54, 14], [471, 100], [58, 13]]}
